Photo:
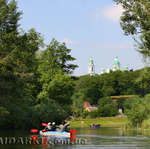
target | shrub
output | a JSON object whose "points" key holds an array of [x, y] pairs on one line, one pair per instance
{"points": [[93, 114], [85, 113], [137, 110]]}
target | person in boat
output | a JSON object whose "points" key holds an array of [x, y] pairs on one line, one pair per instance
{"points": [[54, 127], [48, 127], [63, 126]]}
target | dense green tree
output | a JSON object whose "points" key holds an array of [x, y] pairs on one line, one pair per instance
{"points": [[119, 83], [9, 17], [78, 99], [21, 83], [111, 84], [137, 110], [107, 107], [90, 85], [143, 82], [55, 58], [47, 111], [59, 89], [53, 69], [18, 66]]}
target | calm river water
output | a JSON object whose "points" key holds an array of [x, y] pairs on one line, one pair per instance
{"points": [[102, 138]]}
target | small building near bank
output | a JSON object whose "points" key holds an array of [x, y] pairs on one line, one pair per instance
{"points": [[88, 107]]}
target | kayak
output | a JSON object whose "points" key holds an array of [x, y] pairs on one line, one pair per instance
{"points": [[56, 134]]}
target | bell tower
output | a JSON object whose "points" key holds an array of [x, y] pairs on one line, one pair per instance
{"points": [[91, 67], [116, 65]]}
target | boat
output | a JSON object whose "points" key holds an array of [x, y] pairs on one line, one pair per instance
{"points": [[95, 126], [55, 134]]}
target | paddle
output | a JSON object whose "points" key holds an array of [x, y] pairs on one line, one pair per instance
{"points": [[73, 131], [44, 124], [34, 130]]}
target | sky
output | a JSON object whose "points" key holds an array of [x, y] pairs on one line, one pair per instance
{"points": [[90, 28]]}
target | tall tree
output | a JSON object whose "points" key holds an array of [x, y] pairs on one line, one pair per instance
{"points": [[53, 69], [54, 59], [18, 65], [9, 17], [135, 20]]}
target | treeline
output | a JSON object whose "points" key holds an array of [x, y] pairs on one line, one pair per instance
{"points": [[98, 89]]}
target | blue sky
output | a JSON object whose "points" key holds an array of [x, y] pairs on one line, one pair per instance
{"points": [[89, 27]]}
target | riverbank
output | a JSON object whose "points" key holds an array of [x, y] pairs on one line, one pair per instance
{"points": [[105, 122]]}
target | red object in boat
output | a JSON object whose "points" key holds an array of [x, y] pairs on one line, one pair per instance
{"points": [[44, 131], [44, 124], [34, 130]]}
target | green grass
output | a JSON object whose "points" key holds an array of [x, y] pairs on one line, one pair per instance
{"points": [[146, 124], [105, 122]]}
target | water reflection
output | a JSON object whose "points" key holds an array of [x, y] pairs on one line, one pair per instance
{"points": [[102, 138]]}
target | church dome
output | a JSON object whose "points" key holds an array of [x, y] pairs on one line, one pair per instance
{"points": [[116, 65]]}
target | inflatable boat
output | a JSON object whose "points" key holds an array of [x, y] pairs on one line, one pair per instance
{"points": [[55, 134]]}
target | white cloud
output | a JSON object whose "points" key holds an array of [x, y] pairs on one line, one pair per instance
{"points": [[67, 41], [113, 12]]}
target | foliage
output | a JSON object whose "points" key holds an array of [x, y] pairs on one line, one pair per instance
{"points": [[53, 70], [54, 59], [114, 83], [78, 99], [85, 113], [107, 108], [94, 114], [36, 85], [60, 89], [90, 85], [143, 82], [23, 76], [136, 21], [137, 109], [44, 112]]}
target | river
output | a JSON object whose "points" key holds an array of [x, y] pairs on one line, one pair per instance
{"points": [[100, 138]]}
